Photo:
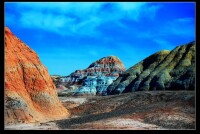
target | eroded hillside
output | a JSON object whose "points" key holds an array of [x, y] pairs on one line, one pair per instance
{"points": [[164, 70], [30, 95]]}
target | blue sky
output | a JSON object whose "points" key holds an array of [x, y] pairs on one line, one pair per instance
{"points": [[71, 35]]}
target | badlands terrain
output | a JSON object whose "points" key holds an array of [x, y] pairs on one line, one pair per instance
{"points": [[157, 93], [30, 94], [143, 110], [164, 70]]}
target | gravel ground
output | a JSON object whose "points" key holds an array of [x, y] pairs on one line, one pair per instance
{"points": [[145, 110], [166, 109]]}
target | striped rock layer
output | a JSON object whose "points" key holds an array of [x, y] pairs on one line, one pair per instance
{"points": [[30, 94]]}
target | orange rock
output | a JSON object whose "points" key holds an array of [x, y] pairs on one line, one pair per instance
{"points": [[30, 94]]}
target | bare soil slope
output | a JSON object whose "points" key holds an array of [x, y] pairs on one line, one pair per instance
{"points": [[156, 109]]}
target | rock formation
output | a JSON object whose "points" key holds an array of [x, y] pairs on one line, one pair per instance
{"points": [[164, 70], [30, 94], [55, 79], [106, 66], [95, 85], [89, 80]]}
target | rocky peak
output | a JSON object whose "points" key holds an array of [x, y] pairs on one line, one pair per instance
{"points": [[106, 66], [110, 66], [94, 79], [111, 62]]}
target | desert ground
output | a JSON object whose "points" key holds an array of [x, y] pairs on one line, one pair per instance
{"points": [[143, 110]]}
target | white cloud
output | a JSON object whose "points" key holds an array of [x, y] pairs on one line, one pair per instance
{"points": [[44, 21], [78, 9], [131, 10], [78, 18]]}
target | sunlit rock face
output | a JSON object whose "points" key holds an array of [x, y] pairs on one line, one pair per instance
{"points": [[106, 66], [30, 94], [89, 80], [164, 70]]}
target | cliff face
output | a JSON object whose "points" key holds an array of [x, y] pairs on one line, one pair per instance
{"points": [[163, 70], [30, 94]]}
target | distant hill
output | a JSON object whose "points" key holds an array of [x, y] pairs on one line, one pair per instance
{"points": [[164, 70], [106, 66], [94, 79]]}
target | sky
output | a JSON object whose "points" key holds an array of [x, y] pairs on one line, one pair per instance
{"points": [[69, 36]]}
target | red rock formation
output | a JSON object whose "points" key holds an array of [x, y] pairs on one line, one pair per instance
{"points": [[30, 94], [107, 66]]}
